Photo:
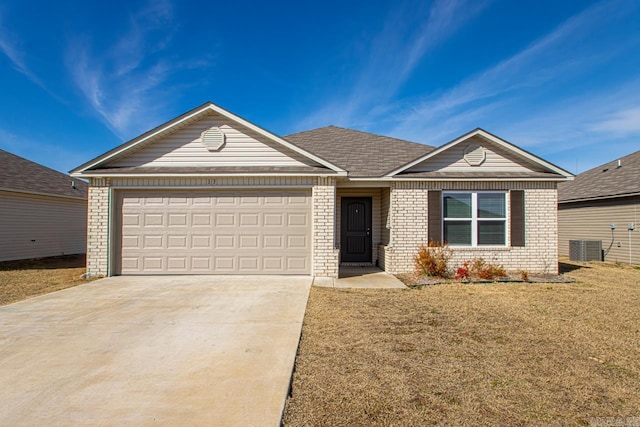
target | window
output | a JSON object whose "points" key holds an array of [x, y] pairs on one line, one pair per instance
{"points": [[474, 218]]}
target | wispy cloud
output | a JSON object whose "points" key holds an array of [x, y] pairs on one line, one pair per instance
{"points": [[128, 84], [622, 122], [538, 65], [579, 121], [409, 33], [12, 47]]}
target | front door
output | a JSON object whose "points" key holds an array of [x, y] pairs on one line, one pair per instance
{"points": [[355, 232]]}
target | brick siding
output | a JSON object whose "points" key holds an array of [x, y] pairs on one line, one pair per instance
{"points": [[98, 228], [325, 254], [409, 226]]}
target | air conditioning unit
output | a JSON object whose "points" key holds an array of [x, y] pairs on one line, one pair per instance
{"points": [[585, 250]]}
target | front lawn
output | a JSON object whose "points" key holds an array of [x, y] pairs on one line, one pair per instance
{"points": [[27, 278], [483, 354]]}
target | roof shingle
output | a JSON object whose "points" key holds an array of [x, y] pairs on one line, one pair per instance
{"points": [[360, 153], [22, 175], [607, 180]]}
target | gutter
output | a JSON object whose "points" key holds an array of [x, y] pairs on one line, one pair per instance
{"points": [[36, 193], [589, 199]]}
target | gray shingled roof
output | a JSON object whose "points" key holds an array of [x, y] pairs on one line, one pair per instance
{"points": [[606, 180], [23, 175], [362, 154]]}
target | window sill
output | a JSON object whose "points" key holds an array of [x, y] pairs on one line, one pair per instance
{"points": [[481, 248]]}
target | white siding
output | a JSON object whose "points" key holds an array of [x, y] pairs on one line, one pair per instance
{"points": [[592, 221], [243, 147], [39, 226], [497, 160]]}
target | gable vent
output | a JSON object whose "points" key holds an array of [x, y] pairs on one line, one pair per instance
{"points": [[475, 155], [213, 138]]}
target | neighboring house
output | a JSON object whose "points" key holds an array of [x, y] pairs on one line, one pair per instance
{"points": [[605, 195], [211, 193], [42, 212]]}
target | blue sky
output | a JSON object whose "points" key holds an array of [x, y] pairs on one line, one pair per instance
{"points": [[558, 78]]}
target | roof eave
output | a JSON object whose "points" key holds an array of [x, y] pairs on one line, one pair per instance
{"points": [[40, 193], [595, 198], [470, 179]]}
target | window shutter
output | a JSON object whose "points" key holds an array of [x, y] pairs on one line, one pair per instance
{"points": [[517, 217], [435, 215]]}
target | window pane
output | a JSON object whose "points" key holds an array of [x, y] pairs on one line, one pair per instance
{"points": [[457, 232], [491, 232], [457, 205], [491, 205]]}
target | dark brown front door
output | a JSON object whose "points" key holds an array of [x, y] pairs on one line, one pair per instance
{"points": [[355, 231]]}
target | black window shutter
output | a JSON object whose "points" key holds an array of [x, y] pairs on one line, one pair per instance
{"points": [[517, 217], [435, 215]]}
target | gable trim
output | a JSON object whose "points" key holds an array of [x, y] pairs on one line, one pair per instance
{"points": [[208, 106], [499, 141]]}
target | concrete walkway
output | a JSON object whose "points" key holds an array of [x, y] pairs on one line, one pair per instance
{"points": [[361, 278], [199, 350]]}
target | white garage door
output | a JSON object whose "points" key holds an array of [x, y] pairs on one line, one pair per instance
{"points": [[223, 232]]}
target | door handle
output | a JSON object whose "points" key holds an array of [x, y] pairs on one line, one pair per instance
{"points": [[368, 232]]}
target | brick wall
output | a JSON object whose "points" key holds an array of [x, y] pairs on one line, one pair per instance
{"points": [[325, 254], [98, 228], [409, 226], [408, 209]]}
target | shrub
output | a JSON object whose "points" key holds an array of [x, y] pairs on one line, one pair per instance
{"points": [[524, 276], [481, 269], [433, 260], [462, 272]]}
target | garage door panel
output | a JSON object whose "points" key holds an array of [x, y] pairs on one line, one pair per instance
{"points": [[153, 263], [297, 220], [273, 220], [131, 219], [177, 264], [248, 241], [225, 264], [297, 263], [273, 242], [153, 220], [177, 220], [153, 241], [225, 219], [177, 241], [238, 232], [249, 219], [201, 219]]}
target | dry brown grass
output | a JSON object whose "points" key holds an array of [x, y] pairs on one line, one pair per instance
{"points": [[498, 354], [27, 278]]}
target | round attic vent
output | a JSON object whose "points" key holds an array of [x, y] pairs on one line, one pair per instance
{"points": [[475, 155], [213, 138]]}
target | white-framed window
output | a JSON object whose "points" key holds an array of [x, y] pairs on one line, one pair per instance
{"points": [[474, 218]]}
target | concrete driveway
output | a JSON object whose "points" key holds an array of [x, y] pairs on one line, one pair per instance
{"points": [[181, 350]]}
